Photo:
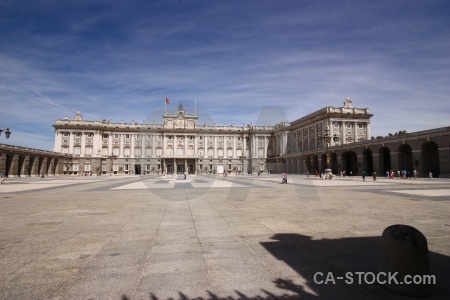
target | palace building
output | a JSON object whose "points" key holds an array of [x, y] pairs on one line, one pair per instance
{"points": [[180, 144]]}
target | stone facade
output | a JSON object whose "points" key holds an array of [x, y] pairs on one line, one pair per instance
{"points": [[180, 144]]}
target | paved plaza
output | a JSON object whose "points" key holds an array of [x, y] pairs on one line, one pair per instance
{"points": [[210, 237]]}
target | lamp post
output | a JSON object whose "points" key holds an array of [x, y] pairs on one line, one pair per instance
{"points": [[112, 157], [327, 139], [7, 132]]}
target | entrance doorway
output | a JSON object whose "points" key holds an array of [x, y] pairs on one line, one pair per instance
{"points": [[180, 168], [169, 169], [137, 169], [191, 169]]}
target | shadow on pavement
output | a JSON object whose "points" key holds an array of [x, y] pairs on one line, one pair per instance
{"points": [[337, 256]]}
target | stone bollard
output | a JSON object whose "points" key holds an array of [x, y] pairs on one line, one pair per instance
{"points": [[404, 250]]}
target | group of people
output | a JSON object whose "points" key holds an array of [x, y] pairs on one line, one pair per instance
{"points": [[391, 174]]}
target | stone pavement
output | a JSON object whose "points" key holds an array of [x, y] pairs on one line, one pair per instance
{"points": [[209, 237]]}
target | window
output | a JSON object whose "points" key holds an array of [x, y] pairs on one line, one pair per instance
{"points": [[103, 168], [66, 134], [90, 134], [148, 168], [138, 137], [127, 152], [105, 136], [201, 152], [126, 168], [65, 141], [180, 151], [220, 138], [261, 152], [137, 152], [210, 152], [75, 167], [220, 153], [88, 151], [104, 151], [127, 136], [159, 137], [230, 153], [116, 151], [170, 137], [211, 138], [116, 168], [229, 138], [360, 125], [87, 167], [238, 152], [148, 152], [116, 136], [200, 138], [77, 151], [159, 152], [78, 134], [65, 150]]}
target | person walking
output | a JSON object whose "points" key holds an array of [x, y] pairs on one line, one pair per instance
{"points": [[185, 174], [42, 175], [284, 178], [374, 175], [364, 175], [415, 174]]}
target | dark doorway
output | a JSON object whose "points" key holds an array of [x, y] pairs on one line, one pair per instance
{"points": [[405, 161], [137, 169], [367, 161], [180, 168], [385, 160], [430, 159], [349, 161]]}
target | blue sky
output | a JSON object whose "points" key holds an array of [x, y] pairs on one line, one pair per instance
{"points": [[119, 60]]}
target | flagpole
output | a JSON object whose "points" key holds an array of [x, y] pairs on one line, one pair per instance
{"points": [[165, 104], [195, 105]]}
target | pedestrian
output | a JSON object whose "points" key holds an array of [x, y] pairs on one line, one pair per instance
{"points": [[351, 173], [374, 175], [387, 174], [317, 173], [185, 174], [42, 176], [307, 173], [364, 175], [284, 178], [430, 175], [415, 174]]}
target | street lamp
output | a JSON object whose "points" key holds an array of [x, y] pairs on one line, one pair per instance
{"points": [[112, 157], [7, 132], [327, 139]]}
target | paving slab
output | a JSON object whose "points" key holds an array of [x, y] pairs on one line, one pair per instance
{"points": [[210, 237]]}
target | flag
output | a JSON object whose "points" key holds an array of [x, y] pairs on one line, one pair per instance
{"points": [[167, 100]]}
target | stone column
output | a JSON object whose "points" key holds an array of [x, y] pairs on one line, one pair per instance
{"points": [[121, 145], [344, 135]]}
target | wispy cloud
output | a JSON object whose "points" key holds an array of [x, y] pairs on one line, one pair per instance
{"points": [[120, 60]]}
